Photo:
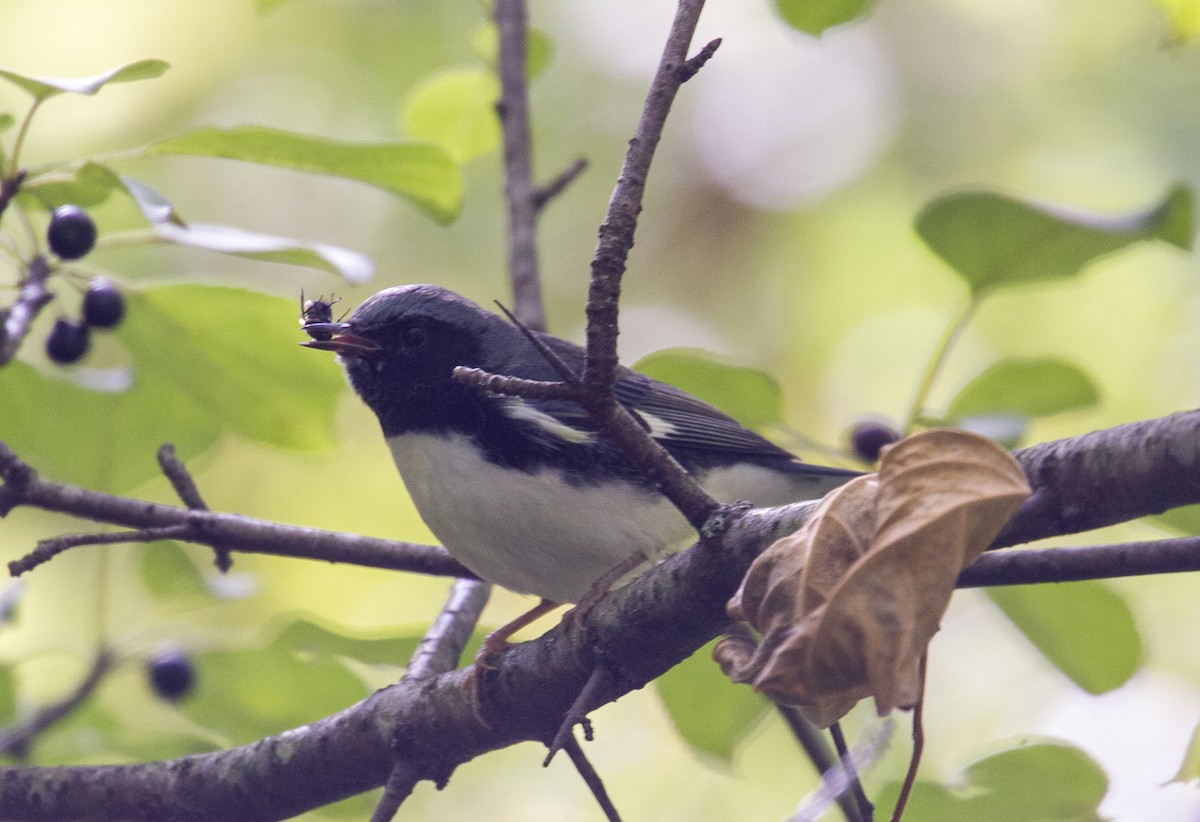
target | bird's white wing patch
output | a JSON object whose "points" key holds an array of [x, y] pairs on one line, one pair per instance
{"points": [[517, 409]]}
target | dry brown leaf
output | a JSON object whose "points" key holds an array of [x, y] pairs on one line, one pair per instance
{"points": [[848, 604]]}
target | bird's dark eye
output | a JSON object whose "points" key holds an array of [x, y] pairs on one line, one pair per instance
{"points": [[413, 336]]}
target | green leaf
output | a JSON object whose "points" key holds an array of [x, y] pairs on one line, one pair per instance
{"points": [[750, 396], [204, 359], [424, 174], [232, 354], [105, 441], [156, 208], [712, 714], [85, 186], [815, 16], [456, 110], [43, 88], [245, 695], [539, 48], [351, 265], [1189, 768], [993, 241], [6, 121], [169, 574], [1040, 782], [303, 636], [1085, 629], [1183, 16], [1028, 387]]}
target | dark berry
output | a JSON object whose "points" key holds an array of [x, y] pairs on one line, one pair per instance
{"points": [[172, 674], [68, 341], [103, 304], [869, 438], [71, 233]]}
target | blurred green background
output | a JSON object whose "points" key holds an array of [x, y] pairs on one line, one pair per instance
{"points": [[777, 232]]}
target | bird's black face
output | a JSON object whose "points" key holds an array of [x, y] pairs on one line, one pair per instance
{"points": [[400, 349]]}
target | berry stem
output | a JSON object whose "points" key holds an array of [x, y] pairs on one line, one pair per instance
{"points": [[14, 161], [940, 354]]}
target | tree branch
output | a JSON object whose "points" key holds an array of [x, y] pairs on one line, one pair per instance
{"points": [[22, 486], [638, 632], [520, 194], [31, 299]]}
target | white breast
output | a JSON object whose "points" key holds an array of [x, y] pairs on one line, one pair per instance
{"points": [[530, 532]]}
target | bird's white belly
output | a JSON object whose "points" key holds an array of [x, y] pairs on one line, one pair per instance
{"points": [[530, 532]]}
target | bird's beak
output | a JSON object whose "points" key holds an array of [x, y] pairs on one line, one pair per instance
{"points": [[337, 337]]}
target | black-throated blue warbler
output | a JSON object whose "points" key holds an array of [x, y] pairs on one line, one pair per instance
{"points": [[529, 494]]}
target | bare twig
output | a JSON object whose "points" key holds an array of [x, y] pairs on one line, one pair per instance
{"points": [[816, 748], [22, 486], [549, 190], [442, 645], [608, 266], [688, 70], [865, 809], [181, 479], [592, 779], [185, 486], [399, 786], [15, 740], [1028, 566], [438, 652], [520, 195], [594, 694], [48, 549]]}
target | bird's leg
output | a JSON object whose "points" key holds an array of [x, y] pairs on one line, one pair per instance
{"points": [[494, 643], [497, 640], [600, 588]]}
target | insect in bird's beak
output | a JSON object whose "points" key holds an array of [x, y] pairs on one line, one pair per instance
{"points": [[336, 337]]}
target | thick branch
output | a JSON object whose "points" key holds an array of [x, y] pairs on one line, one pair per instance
{"points": [[1108, 476]]}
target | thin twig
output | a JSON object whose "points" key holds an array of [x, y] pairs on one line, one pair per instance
{"points": [[185, 486], [22, 486], [816, 748], [442, 645], [693, 64], [181, 479], [15, 740], [565, 372], [399, 786], [520, 195], [514, 386], [1027, 566], [918, 737], [595, 693], [855, 792], [48, 549], [551, 189], [591, 779], [607, 268]]}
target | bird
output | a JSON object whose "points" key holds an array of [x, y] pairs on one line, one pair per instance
{"points": [[530, 494]]}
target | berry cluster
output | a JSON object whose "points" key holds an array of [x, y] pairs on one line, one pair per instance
{"points": [[71, 235]]}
